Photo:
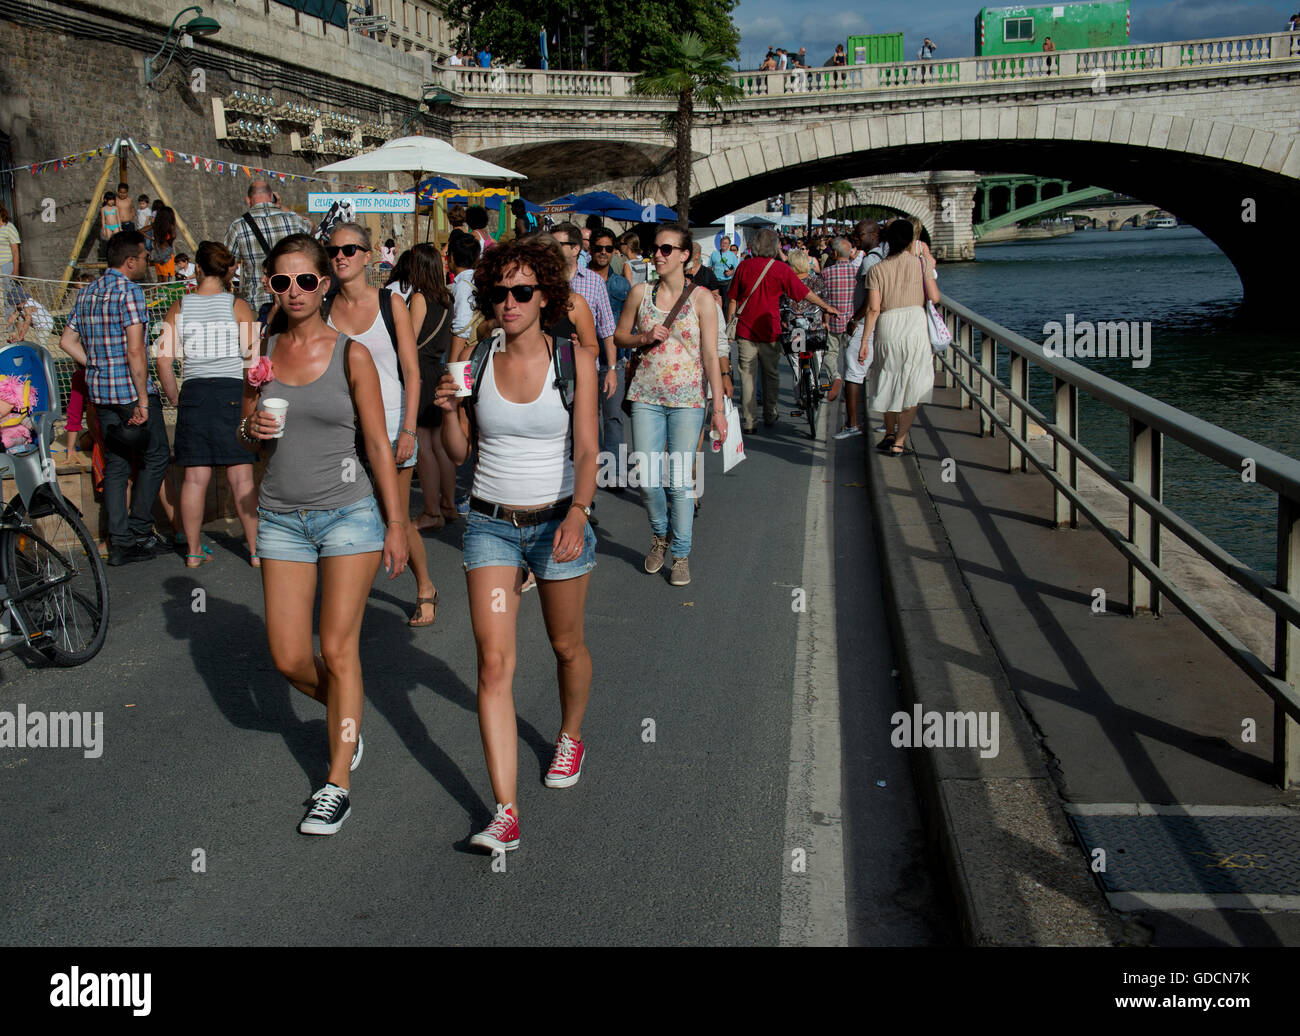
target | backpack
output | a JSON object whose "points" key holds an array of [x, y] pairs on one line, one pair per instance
{"points": [[566, 378], [385, 311]]}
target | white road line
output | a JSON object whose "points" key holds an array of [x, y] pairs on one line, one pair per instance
{"points": [[813, 904]]}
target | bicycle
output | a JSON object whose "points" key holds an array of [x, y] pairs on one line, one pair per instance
{"points": [[53, 589], [804, 345]]}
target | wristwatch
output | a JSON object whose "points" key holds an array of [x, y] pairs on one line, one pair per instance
{"points": [[583, 508]]}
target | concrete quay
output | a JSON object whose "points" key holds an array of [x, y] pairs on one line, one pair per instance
{"points": [[1104, 717]]}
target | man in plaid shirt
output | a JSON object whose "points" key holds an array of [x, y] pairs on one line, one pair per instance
{"points": [[106, 334], [839, 293], [274, 224]]}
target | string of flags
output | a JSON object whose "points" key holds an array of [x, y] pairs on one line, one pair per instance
{"points": [[199, 163]]}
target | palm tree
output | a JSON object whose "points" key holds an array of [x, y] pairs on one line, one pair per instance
{"points": [[685, 69], [840, 190]]}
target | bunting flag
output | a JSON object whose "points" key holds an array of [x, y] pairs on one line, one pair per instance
{"points": [[198, 163]]}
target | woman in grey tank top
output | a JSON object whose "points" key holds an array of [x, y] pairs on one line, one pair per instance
{"points": [[318, 516], [206, 330]]}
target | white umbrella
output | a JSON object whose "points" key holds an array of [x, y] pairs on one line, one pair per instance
{"points": [[421, 156]]}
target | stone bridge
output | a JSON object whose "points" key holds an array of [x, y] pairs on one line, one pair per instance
{"points": [[1206, 129]]}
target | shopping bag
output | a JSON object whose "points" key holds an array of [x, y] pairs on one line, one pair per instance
{"points": [[733, 448]]}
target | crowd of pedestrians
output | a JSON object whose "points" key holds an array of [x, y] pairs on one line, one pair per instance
{"points": [[576, 341]]}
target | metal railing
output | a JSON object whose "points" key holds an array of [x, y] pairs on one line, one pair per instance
{"points": [[971, 365], [948, 72]]}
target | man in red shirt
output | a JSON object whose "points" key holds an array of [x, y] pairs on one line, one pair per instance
{"points": [[754, 299]]}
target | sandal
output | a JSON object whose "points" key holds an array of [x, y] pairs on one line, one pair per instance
{"points": [[255, 561], [885, 443], [420, 602], [898, 449], [203, 559]]}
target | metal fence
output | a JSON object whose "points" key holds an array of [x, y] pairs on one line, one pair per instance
{"points": [[971, 365]]}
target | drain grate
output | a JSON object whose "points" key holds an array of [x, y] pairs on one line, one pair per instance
{"points": [[1203, 854]]}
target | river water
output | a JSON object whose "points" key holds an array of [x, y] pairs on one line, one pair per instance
{"points": [[1203, 358]]}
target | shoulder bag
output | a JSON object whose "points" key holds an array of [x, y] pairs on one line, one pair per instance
{"points": [[940, 336], [735, 320], [688, 287]]}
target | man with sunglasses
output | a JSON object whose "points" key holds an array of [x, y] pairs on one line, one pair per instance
{"points": [[603, 250], [252, 236], [593, 289]]}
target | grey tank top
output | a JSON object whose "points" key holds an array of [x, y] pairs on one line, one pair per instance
{"points": [[314, 466]]}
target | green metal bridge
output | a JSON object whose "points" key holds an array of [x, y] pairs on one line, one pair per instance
{"points": [[1024, 197]]}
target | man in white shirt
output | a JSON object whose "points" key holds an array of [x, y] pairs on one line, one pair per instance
{"points": [[455, 60], [463, 254]]}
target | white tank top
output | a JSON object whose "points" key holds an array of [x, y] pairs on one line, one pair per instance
{"points": [[383, 350], [209, 337], [523, 448]]}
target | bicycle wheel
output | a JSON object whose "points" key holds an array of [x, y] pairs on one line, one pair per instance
{"points": [[52, 549], [808, 397]]}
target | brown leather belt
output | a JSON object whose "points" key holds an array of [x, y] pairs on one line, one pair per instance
{"points": [[520, 517]]}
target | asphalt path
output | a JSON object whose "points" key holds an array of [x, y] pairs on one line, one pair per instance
{"points": [[184, 831]]}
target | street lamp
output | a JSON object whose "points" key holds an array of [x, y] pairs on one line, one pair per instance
{"points": [[201, 26]]}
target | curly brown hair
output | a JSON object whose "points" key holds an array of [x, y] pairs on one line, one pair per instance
{"points": [[547, 267]]}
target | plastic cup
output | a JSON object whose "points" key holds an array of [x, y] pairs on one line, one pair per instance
{"points": [[461, 376], [277, 408]]}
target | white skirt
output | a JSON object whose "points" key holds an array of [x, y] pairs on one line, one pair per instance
{"points": [[902, 367]]}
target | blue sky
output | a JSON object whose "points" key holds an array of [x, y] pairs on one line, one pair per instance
{"points": [[819, 25]]}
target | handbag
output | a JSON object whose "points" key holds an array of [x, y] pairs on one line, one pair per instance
{"points": [[733, 447], [940, 336], [735, 320], [635, 361]]}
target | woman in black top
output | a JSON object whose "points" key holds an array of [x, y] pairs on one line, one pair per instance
{"points": [[430, 307]]}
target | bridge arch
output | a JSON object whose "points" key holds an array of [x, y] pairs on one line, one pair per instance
{"points": [[1204, 171]]}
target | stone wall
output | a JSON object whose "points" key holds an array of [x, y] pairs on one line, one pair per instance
{"points": [[63, 92]]}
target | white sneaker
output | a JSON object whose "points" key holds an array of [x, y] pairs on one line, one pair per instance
{"points": [[848, 433], [358, 753]]}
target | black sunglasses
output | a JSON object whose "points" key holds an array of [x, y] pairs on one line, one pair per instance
{"points": [[348, 250], [306, 281], [667, 250], [602, 248], [568, 244], [521, 292]]}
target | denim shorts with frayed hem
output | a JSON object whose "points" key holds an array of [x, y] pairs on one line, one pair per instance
{"points": [[495, 541], [308, 536]]}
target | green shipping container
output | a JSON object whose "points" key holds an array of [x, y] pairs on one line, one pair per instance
{"points": [[883, 48], [1022, 30]]}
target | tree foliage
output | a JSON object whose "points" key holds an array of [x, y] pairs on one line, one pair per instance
{"points": [[624, 34], [686, 70]]}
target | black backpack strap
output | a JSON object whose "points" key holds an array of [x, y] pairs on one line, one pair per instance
{"points": [[566, 377], [386, 311], [477, 361]]}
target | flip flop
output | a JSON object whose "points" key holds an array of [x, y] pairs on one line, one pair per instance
{"points": [[420, 602], [203, 560]]}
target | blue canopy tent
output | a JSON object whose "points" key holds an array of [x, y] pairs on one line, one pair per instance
{"points": [[428, 188], [633, 212]]}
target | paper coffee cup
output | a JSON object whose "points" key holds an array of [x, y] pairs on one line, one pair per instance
{"points": [[461, 376], [277, 408]]}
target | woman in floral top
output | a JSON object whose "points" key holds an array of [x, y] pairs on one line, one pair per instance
{"points": [[667, 393]]}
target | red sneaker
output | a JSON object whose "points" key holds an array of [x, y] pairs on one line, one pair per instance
{"points": [[500, 835], [566, 767]]}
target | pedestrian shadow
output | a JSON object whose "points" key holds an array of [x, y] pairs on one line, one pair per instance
{"points": [[389, 648], [227, 644]]}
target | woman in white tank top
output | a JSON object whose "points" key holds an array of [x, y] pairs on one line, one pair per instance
{"points": [[356, 311], [534, 481]]}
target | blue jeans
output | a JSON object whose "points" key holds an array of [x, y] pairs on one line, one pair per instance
{"points": [[667, 484], [611, 423]]}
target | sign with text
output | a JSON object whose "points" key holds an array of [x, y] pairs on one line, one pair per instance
{"points": [[361, 202]]}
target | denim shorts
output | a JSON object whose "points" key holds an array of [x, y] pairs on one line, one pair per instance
{"points": [[310, 535], [495, 541]]}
